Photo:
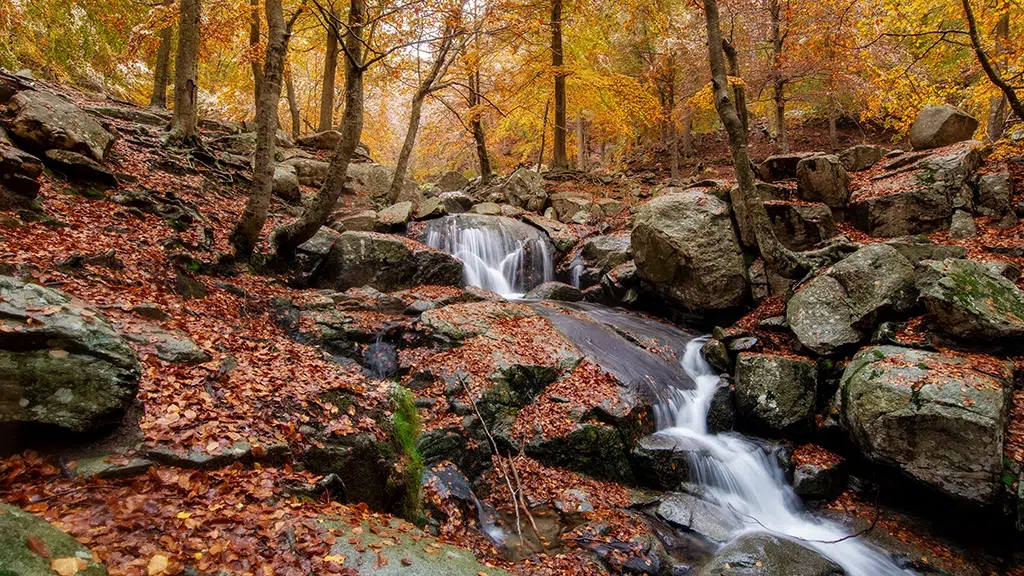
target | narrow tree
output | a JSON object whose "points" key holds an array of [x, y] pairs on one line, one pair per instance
{"points": [[477, 124], [293, 104], [559, 161], [254, 42], [991, 70], [185, 122], [738, 89], [997, 105], [330, 71], [163, 66], [543, 135], [247, 231], [778, 80], [287, 238]]}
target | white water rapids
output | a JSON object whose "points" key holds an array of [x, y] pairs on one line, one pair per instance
{"points": [[743, 477]]}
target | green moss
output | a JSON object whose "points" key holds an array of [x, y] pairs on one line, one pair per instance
{"points": [[405, 436], [968, 289]]}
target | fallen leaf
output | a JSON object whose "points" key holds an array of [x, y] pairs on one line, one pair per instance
{"points": [[157, 565], [58, 353], [336, 558], [37, 545], [68, 566]]}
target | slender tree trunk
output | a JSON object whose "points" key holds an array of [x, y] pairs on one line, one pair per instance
{"points": [[997, 105], [543, 135], [833, 134], [254, 41], [673, 141], [330, 70], [687, 138], [185, 122], [247, 231], [739, 90], [778, 82], [781, 134], [776, 256], [287, 238], [293, 106], [581, 142], [163, 66], [559, 160], [483, 160], [990, 70]]}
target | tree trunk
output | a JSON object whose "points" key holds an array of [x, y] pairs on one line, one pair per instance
{"points": [[673, 141], [254, 41], [778, 82], [559, 160], [746, 201], [543, 135], [833, 135], [247, 231], [330, 70], [287, 238], [997, 105], [739, 90], [687, 138], [185, 121], [162, 68], [293, 106], [991, 71], [581, 142], [483, 160], [781, 135]]}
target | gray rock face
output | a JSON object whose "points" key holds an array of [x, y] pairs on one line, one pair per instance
{"points": [[606, 252], [705, 518], [919, 199], [555, 291], [384, 262], [174, 346], [820, 482], [78, 167], [779, 167], [823, 179], [800, 226], [452, 181], [41, 121], [937, 418], [684, 243], [17, 527], [61, 364], [839, 308], [969, 300], [567, 206], [286, 183], [374, 181], [776, 393], [19, 171], [962, 226], [365, 221], [994, 197], [918, 248], [768, 555], [310, 172], [525, 189], [431, 208], [938, 126], [395, 215], [456, 202], [326, 140], [861, 157]]}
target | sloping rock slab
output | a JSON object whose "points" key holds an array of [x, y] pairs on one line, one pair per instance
{"points": [[384, 262]]}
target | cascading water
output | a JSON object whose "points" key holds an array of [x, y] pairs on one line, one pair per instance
{"points": [[741, 476], [494, 257]]}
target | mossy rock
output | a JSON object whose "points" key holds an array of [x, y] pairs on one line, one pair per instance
{"points": [[16, 558], [969, 300]]}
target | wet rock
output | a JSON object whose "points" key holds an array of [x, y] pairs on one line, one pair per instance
{"points": [[919, 199], [839, 308], [554, 291], [861, 157], [968, 300], [823, 179], [937, 418], [525, 189], [779, 167], [800, 226], [395, 215], [776, 393], [685, 245], [663, 461], [937, 126], [768, 555], [61, 364], [19, 555], [703, 517], [174, 347], [962, 226], [820, 481], [452, 181], [42, 121], [75, 166], [286, 184]]}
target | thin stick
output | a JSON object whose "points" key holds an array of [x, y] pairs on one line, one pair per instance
{"points": [[522, 502]]}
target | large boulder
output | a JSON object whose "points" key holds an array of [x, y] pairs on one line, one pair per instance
{"points": [[30, 546], [823, 179], [685, 245], [606, 252], [940, 419], [286, 184], [525, 189], [567, 206], [384, 262], [938, 126], [326, 140], [761, 554], [554, 291], [79, 167], [373, 181], [969, 300], [800, 225], [779, 167], [839, 308], [452, 182], [19, 173], [994, 197], [861, 157], [41, 121], [61, 364], [395, 215], [309, 171], [919, 198], [776, 393]]}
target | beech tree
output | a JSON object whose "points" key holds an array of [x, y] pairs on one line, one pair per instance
{"points": [[185, 122], [163, 66], [559, 160], [330, 70]]}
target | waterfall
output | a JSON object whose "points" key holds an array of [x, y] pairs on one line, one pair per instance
{"points": [[741, 476], [494, 257]]}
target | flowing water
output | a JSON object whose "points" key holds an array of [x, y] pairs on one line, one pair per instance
{"points": [[743, 477]]}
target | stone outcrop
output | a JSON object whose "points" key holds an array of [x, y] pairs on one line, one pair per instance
{"points": [[40, 121], [525, 189], [822, 178], [969, 300], [938, 126], [384, 262], [776, 393]]}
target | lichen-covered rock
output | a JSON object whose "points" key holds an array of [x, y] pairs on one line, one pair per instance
{"points": [[41, 121], [937, 418], [384, 262], [839, 308], [776, 393], [554, 291], [861, 157], [365, 221], [768, 555], [61, 364], [286, 184], [685, 245], [19, 552], [452, 181], [823, 179], [969, 300], [962, 226], [937, 126], [395, 215], [994, 197], [525, 188], [800, 226]]}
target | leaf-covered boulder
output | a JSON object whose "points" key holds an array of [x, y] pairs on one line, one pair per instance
{"points": [[776, 393], [61, 364], [41, 121], [30, 546], [939, 419], [384, 262], [684, 243], [937, 126], [839, 308], [969, 300]]}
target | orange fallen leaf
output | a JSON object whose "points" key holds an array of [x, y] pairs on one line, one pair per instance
{"points": [[68, 566], [157, 565], [37, 546]]}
